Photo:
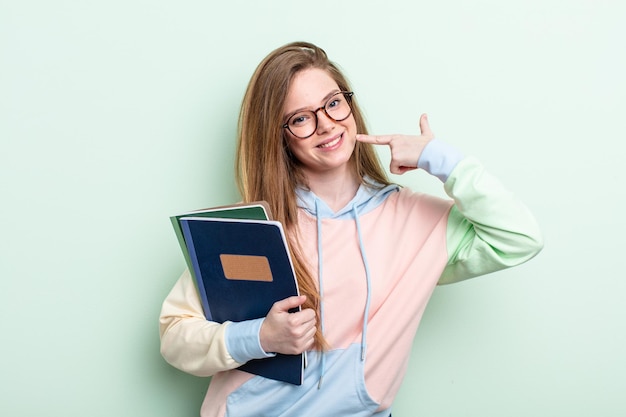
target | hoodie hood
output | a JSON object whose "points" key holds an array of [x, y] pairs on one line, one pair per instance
{"points": [[369, 196]]}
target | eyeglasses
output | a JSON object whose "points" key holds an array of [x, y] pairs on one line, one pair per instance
{"points": [[304, 123]]}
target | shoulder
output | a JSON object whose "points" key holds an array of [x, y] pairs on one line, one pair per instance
{"points": [[407, 199], [407, 204]]}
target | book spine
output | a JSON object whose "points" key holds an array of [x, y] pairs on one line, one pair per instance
{"points": [[196, 269]]}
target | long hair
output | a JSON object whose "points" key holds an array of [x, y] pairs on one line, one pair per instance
{"points": [[266, 170]]}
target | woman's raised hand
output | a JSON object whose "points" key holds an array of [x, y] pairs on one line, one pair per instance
{"points": [[285, 332], [405, 149]]}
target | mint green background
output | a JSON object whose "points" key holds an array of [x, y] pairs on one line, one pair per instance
{"points": [[115, 115]]}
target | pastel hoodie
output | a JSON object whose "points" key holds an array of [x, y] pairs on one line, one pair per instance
{"points": [[377, 261]]}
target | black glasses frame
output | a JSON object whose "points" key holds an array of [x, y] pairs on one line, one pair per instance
{"points": [[347, 94]]}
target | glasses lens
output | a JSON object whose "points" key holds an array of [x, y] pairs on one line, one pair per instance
{"points": [[338, 107], [303, 124]]}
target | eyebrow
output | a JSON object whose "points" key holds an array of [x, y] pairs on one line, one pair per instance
{"points": [[323, 100]]}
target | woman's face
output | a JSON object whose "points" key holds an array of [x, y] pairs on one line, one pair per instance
{"points": [[329, 148]]}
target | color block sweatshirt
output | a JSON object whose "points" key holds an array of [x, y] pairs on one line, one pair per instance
{"points": [[378, 261]]}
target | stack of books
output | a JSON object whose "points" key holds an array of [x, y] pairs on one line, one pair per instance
{"points": [[240, 261]]}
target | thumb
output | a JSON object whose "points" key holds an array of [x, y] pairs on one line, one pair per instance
{"points": [[289, 303], [425, 126]]}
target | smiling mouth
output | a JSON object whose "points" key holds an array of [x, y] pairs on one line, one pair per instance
{"points": [[331, 143]]}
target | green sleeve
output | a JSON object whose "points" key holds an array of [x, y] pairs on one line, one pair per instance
{"points": [[488, 228]]}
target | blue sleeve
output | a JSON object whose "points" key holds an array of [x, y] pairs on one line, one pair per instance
{"points": [[242, 341], [439, 159]]}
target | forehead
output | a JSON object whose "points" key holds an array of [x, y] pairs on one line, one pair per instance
{"points": [[308, 88]]}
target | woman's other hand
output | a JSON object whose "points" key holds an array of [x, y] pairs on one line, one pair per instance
{"points": [[285, 332]]}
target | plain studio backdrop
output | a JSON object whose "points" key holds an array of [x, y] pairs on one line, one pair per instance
{"points": [[115, 115]]}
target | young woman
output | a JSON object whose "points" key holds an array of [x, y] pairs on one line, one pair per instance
{"points": [[367, 253]]}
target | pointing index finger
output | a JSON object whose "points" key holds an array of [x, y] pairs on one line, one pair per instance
{"points": [[374, 139]]}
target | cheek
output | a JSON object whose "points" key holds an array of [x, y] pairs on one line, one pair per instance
{"points": [[294, 147], [351, 125]]}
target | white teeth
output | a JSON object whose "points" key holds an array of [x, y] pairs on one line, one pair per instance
{"points": [[331, 143]]}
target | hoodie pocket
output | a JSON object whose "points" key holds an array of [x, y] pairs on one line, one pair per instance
{"points": [[342, 391]]}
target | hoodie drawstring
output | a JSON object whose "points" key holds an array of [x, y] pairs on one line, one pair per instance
{"points": [[320, 277], [320, 280], [368, 279]]}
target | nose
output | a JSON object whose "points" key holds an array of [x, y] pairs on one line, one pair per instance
{"points": [[324, 122]]}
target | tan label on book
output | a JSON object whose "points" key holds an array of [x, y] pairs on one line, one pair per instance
{"points": [[246, 267]]}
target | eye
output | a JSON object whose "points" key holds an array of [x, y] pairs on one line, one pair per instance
{"points": [[335, 102], [299, 119]]}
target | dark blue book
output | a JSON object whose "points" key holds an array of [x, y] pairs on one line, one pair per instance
{"points": [[242, 267], [258, 210]]}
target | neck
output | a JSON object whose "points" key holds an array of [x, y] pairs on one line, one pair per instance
{"points": [[336, 190]]}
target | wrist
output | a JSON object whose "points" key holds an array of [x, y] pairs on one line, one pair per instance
{"points": [[439, 159], [243, 340]]}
